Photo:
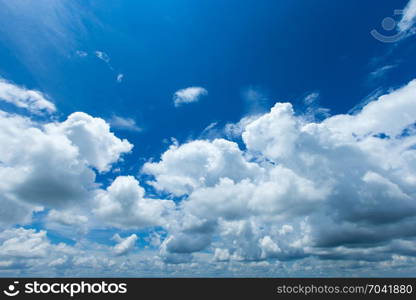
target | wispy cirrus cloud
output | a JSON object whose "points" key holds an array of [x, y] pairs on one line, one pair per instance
{"points": [[380, 72], [32, 100], [81, 53], [124, 123], [409, 16], [120, 77], [255, 99], [103, 56]]}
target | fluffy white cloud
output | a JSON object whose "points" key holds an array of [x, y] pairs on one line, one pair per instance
{"points": [[273, 134], [302, 188], [390, 115], [296, 189], [67, 222], [49, 165], [200, 163], [125, 245], [66, 218], [32, 100], [20, 242], [27, 251], [188, 95], [96, 144], [123, 205]]}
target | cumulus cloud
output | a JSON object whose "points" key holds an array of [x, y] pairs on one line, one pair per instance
{"points": [[293, 189], [390, 114], [199, 163], [123, 205], [25, 243], [93, 138], [66, 218], [188, 95], [273, 134], [32, 100], [52, 165], [69, 222], [125, 245], [28, 251], [331, 189]]}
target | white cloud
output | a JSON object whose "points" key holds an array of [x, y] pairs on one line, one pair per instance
{"points": [[49, 165], [103, 56], [199, 163], [274, 133], [409, 16], [301, 188], [381, 71], [210, 126], [92, 136], [313, 111], [69, 223], [25, 243], [32, 100], [298, 190], [27, 251], [124, 123], [390, 114], [123, 205], [66, 218], [235, 130], [311, 98], [81, 53], [188, 95], [221, 254], [285, 229], [255, 100], [125, 245]]}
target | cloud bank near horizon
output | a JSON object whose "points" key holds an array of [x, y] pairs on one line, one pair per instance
{"points": [[284, 196]]}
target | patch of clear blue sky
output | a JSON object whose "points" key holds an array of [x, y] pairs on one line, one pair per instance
{"points": [[284, 48]]}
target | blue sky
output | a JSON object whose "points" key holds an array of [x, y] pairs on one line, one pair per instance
{"points": [[227, 64], [162, 46]]}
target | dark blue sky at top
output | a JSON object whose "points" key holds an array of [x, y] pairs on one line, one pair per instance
{"points": [[285, 49]]}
